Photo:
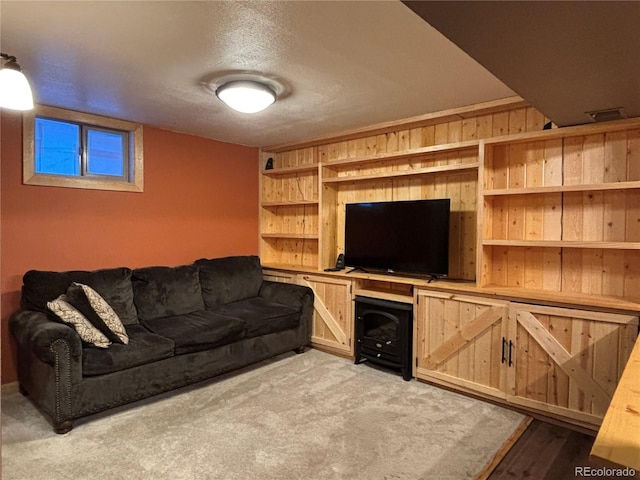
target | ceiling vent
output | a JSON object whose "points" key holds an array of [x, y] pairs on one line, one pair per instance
{"points": [[607, 115]]}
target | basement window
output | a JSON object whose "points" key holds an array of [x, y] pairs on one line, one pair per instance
{"points": [[63, 148]]}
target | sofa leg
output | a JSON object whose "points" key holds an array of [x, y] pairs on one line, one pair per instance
{"points": [[63, 427], [300, 350]]}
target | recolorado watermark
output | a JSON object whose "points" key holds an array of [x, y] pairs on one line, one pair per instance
{"points": [[604, 472]]}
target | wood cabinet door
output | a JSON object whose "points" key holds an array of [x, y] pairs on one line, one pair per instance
{"points": [[333, 312], [567, 361], [458, 340]]}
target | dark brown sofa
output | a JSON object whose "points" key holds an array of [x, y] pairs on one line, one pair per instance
{"points": [[185, 324]]}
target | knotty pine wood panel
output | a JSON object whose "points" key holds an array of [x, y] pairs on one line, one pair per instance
{"points": [[524, 217], [298, 219], [568, 358], [520, 165], [611, 215], [288, 251], [608, 272], [601, 272], [471, 128], [603, 157], [459, 340], [333, 312], [292, 158], [290, 187], [460, 188], [306, 185], [533, 268]]}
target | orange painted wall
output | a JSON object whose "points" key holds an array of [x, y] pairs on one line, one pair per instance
{"points": [[200, 200]]}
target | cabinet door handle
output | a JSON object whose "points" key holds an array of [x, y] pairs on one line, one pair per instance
{"points": [[504, 349], [510, 352]]}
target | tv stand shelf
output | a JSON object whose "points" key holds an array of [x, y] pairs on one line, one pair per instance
{"points": [[383, 286], [385, 294]]}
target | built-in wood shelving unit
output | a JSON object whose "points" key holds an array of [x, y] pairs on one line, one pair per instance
{"points": [[560, 211], [544, 248], [532, 209]]}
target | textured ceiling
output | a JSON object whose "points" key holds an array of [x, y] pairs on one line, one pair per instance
{"points": [[342, 64]]}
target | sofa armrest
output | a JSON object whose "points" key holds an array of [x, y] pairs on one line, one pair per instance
{"points": [[35, 333], [286, 293]]}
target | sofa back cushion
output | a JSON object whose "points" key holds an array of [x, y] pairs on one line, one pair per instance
{"points": [[226, 280], [166, 291], [112, 284]]}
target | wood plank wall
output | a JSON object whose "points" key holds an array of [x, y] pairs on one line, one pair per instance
{"points": [[460, 187]]}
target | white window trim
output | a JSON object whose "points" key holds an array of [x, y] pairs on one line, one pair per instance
{"points": [[30, 177]]}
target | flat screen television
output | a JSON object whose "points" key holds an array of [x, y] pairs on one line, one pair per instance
{"points": [[403, 236]]}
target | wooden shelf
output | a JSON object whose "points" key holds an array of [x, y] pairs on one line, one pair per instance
{"points": [[302, 236], [418, 152], [565, 132], [563, 244], [570, 299], [457, 287], [290, 203], [459, 167], [285, 170], [563, 188]]}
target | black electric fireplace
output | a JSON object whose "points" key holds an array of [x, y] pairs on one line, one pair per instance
{"points": [[384, 331]]}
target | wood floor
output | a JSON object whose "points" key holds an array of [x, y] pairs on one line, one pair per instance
{"points": [[547, 452]]}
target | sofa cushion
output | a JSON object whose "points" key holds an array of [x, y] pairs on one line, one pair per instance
{"points": [[113, 284], [226, 280], [262, 316], [144, 347], [69, 315], [40, 287], [95, 309], [196, 331], [166, 291]]}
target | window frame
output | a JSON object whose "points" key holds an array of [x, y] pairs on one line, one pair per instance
{"points": [[134, 181]]}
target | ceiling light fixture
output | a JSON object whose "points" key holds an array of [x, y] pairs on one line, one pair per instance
{"points": [[246, 96], [15, 92]]}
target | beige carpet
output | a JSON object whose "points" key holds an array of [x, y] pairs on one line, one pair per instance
{"points": [[311, 416]]}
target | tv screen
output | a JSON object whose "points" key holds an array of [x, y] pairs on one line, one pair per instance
{"points": [[405, 236]]}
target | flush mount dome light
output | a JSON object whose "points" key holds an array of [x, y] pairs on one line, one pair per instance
{"points": [[246, 96]]}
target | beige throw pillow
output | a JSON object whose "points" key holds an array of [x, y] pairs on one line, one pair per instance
{"points": [[105, 312], [68, 314]]}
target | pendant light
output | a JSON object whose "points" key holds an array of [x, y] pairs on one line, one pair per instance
{"points": [[15, 92]]}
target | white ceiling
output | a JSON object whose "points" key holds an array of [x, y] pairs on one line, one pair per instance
{"points": [[343, 64]]}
